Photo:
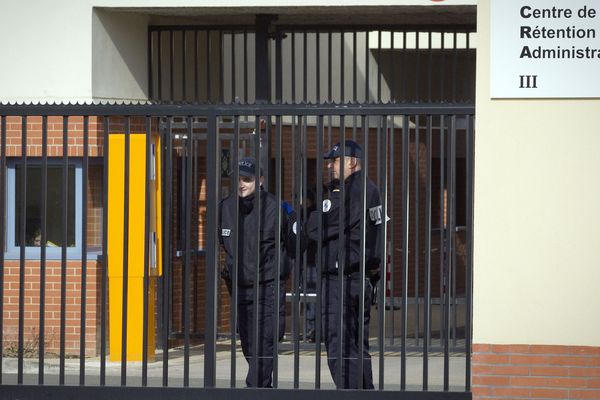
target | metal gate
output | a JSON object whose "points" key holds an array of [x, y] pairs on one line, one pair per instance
{"points": [[411, 108], [346, 65]]}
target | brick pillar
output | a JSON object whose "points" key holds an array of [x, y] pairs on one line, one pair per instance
{"points": [[535, 372]]}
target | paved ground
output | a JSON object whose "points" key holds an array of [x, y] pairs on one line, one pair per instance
{"points": [[306, 371]]}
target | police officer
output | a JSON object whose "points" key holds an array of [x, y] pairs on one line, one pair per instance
{"points": [[352, 280], [248, 225]]}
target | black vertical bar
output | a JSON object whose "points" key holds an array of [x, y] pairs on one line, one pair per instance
{"points": [[442, 211], [392, 208], [304, 72], [403, 63], [196, 66], [469, 272], [221, 67], [257, 277], [453, 308], [104, 283], [278, 68], [146, 276], [278, 260], [383, 251], [451, 250], [212, 256], [417, 67], [2, 231], [171, 59], [246, 66], [208, 58], [393, 69], [416, 226], [341, 259], [367, 87], [195, 237], [182, 163], [23, 223], [303, 208], [379, 66], [319, 255], [469, 78], [187, 259], [293, 68], [233, 100], [125, 285], [354, 68], [361, 297], [149, 66], [297, 162], [429, 67], [63, 260], [318, 68], [235, 239], [342, 66], [443, 242], [183, 65], [261, 48], [405, 231], [329, 67], [44, 209], [159, 66], [84, 239], [454, 65], [167, 253], [442, 65], [427, 288]]}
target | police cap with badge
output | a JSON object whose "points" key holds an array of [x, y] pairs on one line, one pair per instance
{"points": [[351, 149]]}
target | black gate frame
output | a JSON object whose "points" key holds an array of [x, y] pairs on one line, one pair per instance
{"points": [[212, 113]]}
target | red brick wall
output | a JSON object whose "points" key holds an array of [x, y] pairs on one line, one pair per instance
{"points": [[55, 136], [535, 372], [53, 267], [52, 307]]}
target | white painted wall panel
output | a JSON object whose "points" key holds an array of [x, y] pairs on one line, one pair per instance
{"points": [[537, 212]]}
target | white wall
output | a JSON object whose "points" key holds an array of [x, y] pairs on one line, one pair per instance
{"points": [[55, 51], [46, 51], [119, 56], [537, 216]]}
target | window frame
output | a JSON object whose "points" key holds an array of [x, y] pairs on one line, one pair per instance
{"points": [[13, 252]]}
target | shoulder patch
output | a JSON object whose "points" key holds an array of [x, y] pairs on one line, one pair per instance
{"points": [[375, 214]]}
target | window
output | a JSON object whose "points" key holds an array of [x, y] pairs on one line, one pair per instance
{"points": [[32, 207]]}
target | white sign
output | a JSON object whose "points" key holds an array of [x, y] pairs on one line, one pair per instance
{"points": [[544, 48]]}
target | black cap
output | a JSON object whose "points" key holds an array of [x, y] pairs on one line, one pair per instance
{"points": [[248, 166], [352, 149]]}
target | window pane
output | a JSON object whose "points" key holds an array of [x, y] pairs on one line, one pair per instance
{"points": [[33, 207]]}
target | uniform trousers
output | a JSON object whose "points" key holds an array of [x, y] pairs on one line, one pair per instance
{"points": [[266, 318], [351, 324]]}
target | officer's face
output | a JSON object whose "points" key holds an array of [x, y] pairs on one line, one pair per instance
{"points": [[247, 185], [334, 166]]}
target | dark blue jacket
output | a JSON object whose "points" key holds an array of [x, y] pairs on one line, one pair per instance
{"points": [[374, 219], [247, 229]]}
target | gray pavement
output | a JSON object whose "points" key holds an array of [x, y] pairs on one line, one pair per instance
{"points": [[306, 370]]}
